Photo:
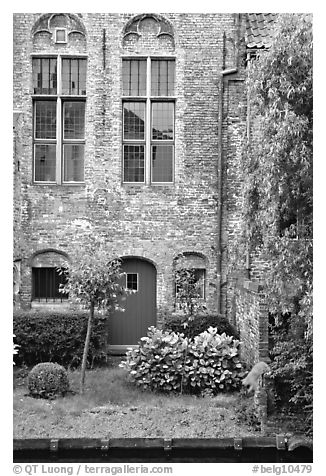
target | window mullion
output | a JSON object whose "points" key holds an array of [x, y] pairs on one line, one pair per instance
{"points": [[59, 148], [148, 122]]}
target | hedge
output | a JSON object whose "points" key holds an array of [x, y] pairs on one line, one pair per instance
{"points": [[45, 336], [200, 324]]}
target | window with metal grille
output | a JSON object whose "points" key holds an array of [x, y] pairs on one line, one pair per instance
{"points": [[46, 283], [148, 120], [191, 282], [59, 87]]}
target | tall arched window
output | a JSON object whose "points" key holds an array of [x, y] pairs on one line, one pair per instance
{"points": [[148, 88], [59, 68]]}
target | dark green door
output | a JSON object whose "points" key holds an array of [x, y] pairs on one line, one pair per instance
{"points": [[126, 328]]}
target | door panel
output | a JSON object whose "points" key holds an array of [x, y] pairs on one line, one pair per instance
{"points": [[126, 328]]}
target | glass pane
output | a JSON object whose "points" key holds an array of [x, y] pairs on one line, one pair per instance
{"points": [[133, 163], [44, 75], [74, 82], [45, 162], [162, 79], [162, 163], [74, 120], [36, 75], [74, 76], [171, 76], [53, 76], [162, 120], [82, 75], [132, 281], [199, 278], [73, 162], [45, 119], [134, 77], [66, 74], [155, 78], [134, 120]]}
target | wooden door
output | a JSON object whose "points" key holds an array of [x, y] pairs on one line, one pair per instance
{"points": [[126, 328]]}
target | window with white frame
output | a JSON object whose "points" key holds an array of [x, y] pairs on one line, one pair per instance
{"points": [[132, 281], [148, 120], [59, 105]]}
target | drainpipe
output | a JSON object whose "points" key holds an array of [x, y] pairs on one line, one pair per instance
{"points": [[248, 141], [104, 48], [223, 74]]}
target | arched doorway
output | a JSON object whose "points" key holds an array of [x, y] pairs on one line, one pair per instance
{"points": [[126, 328]]}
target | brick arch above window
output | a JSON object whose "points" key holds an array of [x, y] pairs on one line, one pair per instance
{"points": [[191, 259], [49, 258], [149, 30], [138, 23], [52, 22]]}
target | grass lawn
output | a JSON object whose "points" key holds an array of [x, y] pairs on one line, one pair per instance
{"points": [[111, 407]]}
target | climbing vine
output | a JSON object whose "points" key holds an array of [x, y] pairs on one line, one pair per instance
{"points": [[276, 197]]}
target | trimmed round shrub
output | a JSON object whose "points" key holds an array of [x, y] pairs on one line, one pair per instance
{"points": [[168, 361], [200, 324], [48, 380]]}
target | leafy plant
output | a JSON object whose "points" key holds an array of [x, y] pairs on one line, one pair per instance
{"points": [[47, 380], [58, 337], [167, 361], [15, 348], [247, 412]]}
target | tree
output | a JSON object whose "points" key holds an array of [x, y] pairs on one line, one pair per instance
{"points": [[94, 281], [276, 198]]}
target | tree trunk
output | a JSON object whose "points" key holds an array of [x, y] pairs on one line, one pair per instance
{"points": [[86, 347]]}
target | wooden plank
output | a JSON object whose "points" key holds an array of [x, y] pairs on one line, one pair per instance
{"points": [[259, 442], [79, 443], [177, 443], [31, 444], [203, 443], [136, 443]]}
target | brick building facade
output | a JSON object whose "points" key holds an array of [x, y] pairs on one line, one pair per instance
{"points": [[128, 126]]}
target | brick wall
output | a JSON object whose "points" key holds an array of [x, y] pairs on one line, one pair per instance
{"points": [[251, 314], [153, 222]]}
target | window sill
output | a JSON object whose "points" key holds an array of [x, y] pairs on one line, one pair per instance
{"points": [[54, 184], [50, 305], [147, 185]]}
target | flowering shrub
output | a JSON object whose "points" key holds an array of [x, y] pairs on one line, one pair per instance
{"points": [[165, 361]]}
